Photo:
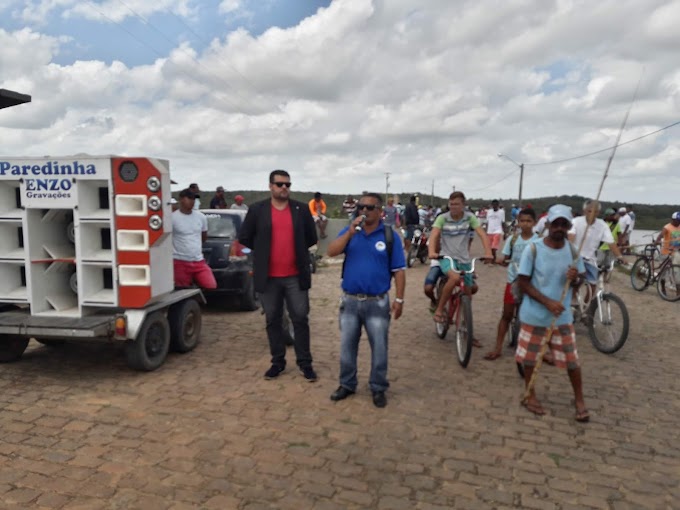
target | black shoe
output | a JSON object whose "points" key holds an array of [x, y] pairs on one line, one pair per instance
{"points": [[274, 371], [308, 373], [379, 399], [341, 393]]}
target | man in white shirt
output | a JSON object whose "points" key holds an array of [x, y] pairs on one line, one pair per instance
{"points": [[193, 187], [626, 227], [189, 232], [495, 219], [598, 233]]}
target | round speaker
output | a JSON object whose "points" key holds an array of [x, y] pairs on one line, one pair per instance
{"points": [[73, 282], [71, 232]]}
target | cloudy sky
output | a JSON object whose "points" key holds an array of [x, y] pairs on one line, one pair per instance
{"points": [[340, 92]]}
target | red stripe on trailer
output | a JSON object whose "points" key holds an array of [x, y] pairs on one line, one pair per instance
{"points": [[133, 296]]}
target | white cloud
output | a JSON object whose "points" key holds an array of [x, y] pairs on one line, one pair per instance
{"points": [[364, 87]]}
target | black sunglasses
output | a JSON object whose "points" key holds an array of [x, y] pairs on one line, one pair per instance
{"points": [[369, 207], [282, 184]]}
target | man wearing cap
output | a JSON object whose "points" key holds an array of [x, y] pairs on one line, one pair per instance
{"points": [[625, 223], [611, 218], [193, 187], [545, 267], [189, 232], [218, 201], [238, 203], [598, 233], [670, 235]]}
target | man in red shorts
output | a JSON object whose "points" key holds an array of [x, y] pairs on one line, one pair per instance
{"points": [[189, 232], [545, 267], [495, 221]]}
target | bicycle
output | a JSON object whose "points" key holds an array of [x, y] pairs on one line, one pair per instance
{"points": [[603, 313], [666, 275], [458, 313]]}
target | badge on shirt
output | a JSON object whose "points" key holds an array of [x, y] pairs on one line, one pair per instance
{"points": [[380, 246]]}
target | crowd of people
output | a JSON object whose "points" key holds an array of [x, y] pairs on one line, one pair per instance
{"points": [[544, 255]]}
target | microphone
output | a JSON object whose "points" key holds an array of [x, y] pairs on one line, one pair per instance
{"points": [[358, 228]]}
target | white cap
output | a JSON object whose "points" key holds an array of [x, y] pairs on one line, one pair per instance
{"points": [[622, 209], [173, 201]]}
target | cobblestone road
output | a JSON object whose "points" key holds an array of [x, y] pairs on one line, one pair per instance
{"points": [[206, 431]]}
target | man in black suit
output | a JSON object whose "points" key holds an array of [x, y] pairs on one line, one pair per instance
{"points": [[280, 232]]}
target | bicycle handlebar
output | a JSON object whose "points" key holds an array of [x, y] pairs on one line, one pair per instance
{"points": [[472, 264]]}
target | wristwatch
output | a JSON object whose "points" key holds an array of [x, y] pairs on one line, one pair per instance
{"points": [[399, 300]]}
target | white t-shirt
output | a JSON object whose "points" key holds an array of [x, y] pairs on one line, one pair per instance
{"points": [[242, 207], [494, 221], [540, 227], [597, 233], [197, 204], [187, 229], [625, 221]]}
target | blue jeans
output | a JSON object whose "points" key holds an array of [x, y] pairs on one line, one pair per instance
{"points": [[374, 316], [297, 301]]}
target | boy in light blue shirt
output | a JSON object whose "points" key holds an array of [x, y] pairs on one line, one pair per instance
{"points": [[512, 250]]}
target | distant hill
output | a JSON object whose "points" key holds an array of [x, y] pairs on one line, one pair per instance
{"points": [[649, 217]]}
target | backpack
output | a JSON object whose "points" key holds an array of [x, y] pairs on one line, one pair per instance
{"points": [[389, 245], [517, 293]]}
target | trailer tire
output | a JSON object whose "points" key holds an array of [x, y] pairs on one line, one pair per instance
{"points": [[12, 347], [185, 325], [149, 350]]}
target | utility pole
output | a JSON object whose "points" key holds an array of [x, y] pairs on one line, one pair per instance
{"points": [[521, 178], [387, 186], [432, 199], [454, 188]]}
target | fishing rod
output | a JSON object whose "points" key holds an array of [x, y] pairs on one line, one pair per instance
{"points": [[590, 219]]}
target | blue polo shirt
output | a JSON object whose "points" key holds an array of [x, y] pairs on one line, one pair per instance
{"points": [[366, 264]]}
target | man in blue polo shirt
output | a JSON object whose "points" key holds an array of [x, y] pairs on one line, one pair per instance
{"points": [[371, 257]]}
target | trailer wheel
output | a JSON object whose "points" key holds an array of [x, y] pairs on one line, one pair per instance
{"points": [[185, 325], [12, 347], [149, 350]]}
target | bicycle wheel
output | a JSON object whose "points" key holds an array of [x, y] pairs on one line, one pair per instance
{"points": [[513, 332], [668, 284], [608, 326], [463, 321], [640, 274], [412, 255]]}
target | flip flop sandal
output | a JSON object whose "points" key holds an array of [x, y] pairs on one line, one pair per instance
{"points": [[537, 409], [583, 416], [439, 318]]}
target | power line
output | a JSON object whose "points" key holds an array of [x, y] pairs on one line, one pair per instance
{"points": [[199, 38], [603, 150], [230, 104], [495, 183], [167, 38]]}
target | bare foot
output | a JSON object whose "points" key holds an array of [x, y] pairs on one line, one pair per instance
{"points": [[492, 355], [533, 405]]}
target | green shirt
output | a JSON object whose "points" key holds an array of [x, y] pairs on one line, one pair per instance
{"points": [[454, 238], [615, 234]]}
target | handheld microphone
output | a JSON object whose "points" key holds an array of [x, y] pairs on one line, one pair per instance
{"points": [[358, 228]]}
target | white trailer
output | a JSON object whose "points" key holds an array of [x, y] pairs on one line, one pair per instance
{"points": [[86, 254]]}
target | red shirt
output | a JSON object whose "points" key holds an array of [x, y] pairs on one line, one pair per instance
{"points": [[282, 260]]}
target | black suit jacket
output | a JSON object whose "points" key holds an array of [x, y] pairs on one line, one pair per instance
{"points": [[256, 234]]}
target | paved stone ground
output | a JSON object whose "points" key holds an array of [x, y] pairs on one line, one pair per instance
{"points": [[81, 431]]}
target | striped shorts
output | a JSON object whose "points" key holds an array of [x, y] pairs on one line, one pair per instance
{"points": [[562, 345]]}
